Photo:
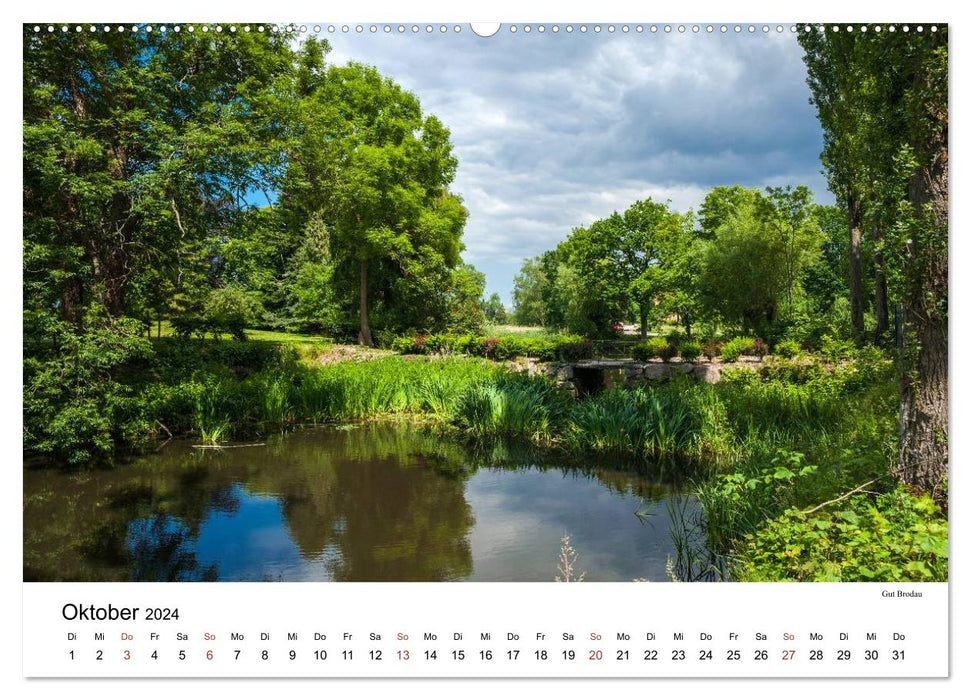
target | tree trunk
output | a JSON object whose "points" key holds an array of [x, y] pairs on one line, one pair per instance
{"points": [[856, 275], [643, 310], [880, 306], [364, 335], [923, 406]]}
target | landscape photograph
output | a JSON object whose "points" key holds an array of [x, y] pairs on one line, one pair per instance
{"points": [[564, 303]]}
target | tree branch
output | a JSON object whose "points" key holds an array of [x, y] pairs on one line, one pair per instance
{"points": [[846, 495]]}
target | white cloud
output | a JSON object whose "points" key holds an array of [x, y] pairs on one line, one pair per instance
{"points": [[555, 131]]}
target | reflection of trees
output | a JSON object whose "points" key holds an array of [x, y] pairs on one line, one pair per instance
{"points": [[162, 549], [399, 525], [367, 505], [355, 497], [372, 503]]}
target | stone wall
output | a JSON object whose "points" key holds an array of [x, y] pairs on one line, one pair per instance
{"points": [[589, 376]]}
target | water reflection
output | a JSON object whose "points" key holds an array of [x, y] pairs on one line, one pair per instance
{"points": [[377, 503]]}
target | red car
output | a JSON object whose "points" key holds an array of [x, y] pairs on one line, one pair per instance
{"points": [[618, 327]]}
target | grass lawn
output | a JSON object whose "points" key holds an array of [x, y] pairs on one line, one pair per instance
{"points": [[266, 336], [521, 331]]}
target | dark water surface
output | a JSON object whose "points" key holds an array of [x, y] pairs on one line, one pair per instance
{"points": [[371, 503]]}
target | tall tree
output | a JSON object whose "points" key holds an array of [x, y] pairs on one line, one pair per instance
{"points": [[920, 62], [136, 147], [391, 168], [527, 293], [834, 80], [787, 212], [601, 259], [896, 84], [654, 246], [720, 204]]}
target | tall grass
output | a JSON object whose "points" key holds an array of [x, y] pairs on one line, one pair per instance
{"points": [[512, 407], [652, 422]]}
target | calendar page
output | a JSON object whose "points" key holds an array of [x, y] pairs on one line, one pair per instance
{"points": [[399, 346]]}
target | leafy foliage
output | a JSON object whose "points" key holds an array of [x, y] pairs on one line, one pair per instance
{"points": [[736, 347], [895, 537]]}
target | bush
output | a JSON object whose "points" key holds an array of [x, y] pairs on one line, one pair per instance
{"points": [[406, 345], [667, 351], [690, 350], [507, 347], [572, 348], [791, 371], [836, 349], [438, 343], [787, 348], [675, 338], [642, 352], [176, 358], [74, 406], [736, 347], [229, 310], [760, 348], [711, 348], [488, 347], [897, 537]]}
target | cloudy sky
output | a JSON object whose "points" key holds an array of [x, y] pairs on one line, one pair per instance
{"points": [[553, 131]]}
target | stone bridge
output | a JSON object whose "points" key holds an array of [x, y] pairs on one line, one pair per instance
{"points": [[592, 376]]}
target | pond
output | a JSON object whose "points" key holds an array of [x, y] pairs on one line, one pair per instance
{"points": [[362, 503]]}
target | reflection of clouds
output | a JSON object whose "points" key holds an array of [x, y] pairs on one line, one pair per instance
{"points": [[554, 131], [523, 514]]}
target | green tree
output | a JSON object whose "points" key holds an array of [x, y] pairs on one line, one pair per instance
{"points": [[742, 272], [464, 312], [494, 309], [654, 246], [788, 213], [599, 256], [887, 97], [136, 146], [309, 281], [529, 285], [391, 203], [720, 204]]}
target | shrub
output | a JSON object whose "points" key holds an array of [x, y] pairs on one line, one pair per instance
{"points": [[438, 343], [230, 309], [574, 348], [509, 347], [667, 351], [711, 348], [540, 348], [787, 348], [736, 347], [406, 345], [488, 347], [897, 537], [836, 350], [74, 407], [690, 350], [653, 347], [791, 371], [675, 338], [642, 352], [506, 347], [760, 348]]}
